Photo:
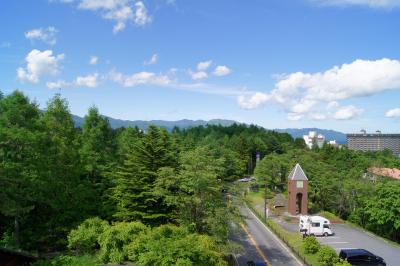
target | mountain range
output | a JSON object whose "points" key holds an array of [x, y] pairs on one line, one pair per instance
{"points": [[187, 123]]}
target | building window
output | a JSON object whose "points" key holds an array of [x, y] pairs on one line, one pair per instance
{"points": [[299, 184]]}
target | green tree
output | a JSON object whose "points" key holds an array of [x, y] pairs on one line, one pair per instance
{"points": [[195, 193], [98, 155], [98, 145], [134, 179], [61, 187], [171, 245], [383, 210], [20, 149]]}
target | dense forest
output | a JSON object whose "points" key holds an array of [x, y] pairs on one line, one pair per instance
{"points": [[154, 197], [113, 186]]}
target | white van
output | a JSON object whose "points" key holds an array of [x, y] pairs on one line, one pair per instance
{"points": [[315, 226]]}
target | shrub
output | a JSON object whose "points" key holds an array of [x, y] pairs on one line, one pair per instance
{"points": [[327, 256], [84, 239], [66, 260], [171, 245], [311, 245], [115, 238], [8, 240], [341, 262]]}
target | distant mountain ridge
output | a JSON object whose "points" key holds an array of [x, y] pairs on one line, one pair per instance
{"points": [[187, 123], [169, 125]]}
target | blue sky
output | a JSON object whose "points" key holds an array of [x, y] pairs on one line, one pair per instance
{"points": [[278, 63]]}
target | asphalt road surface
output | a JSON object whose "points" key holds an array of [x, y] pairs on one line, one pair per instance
{"points": [[262, 245]]}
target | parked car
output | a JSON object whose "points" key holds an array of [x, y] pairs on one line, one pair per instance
{"points": [[247, 179], [315, 226], [361, 257]]}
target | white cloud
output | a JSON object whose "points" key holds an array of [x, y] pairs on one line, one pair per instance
{"points": [[222, 71], [393, 112], [318, 116], [93, 60], [198, 75], [153, 60], [140, 78], [294, 116], [121, 12], [141, 16], [47, 35], [89, 81], [166, 80], [332, 105], [59, 84], [320, 92], [347, 112], [39, 64], [202, 66], [254, 101], [369, 3]]}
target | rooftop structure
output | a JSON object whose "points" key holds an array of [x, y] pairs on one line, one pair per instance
{"points": [[297, 173]]}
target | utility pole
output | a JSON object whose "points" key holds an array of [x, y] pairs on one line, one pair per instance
{"points": [[265, 202]]}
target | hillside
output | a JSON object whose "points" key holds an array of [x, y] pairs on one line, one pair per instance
{"points": [[169, 125]]}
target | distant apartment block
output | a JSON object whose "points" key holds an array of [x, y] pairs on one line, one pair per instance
{"points": [[374, 142], [313, 139]]}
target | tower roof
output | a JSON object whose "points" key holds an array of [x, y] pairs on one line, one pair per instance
{"points": [[297, 173]]}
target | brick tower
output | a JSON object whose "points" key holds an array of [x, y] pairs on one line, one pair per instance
{"points": [[298, 191]]}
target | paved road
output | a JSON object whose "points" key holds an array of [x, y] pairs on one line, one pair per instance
{"points": [[260, 244]]}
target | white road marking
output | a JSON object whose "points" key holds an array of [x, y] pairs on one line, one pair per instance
{"points": [[276, 238]]}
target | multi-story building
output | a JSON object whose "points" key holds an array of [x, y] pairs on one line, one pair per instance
{"points": [[313, 139], [374, 142]]}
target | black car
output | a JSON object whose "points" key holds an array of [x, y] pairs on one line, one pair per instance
{"points": [[361, 257]]}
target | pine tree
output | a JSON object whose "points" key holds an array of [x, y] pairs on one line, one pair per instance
{"points": [[63, 191], [135, 177], [20, 146]]}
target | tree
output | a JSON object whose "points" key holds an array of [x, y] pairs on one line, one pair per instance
{"points": [[195, 193], [98, 145], [62, 190], [20, 149], [98, 155], [383, 210], [171, 245], [134, 179]]}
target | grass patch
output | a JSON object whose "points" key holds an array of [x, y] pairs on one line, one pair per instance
{"points": [[331, 217], [256, 197]]}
